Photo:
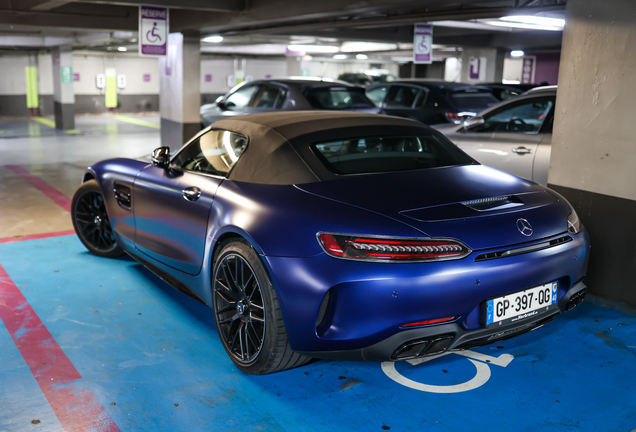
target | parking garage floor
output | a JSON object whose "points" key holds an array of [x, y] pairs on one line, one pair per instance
{"points": [[94, 344]]}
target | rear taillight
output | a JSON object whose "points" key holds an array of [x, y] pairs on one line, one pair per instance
{"points": [[365, 248], [574, 224], [453, 117]]}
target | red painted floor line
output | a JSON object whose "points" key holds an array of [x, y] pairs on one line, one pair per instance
{"points": [[58, 197], [36, 236], [73, 403]]}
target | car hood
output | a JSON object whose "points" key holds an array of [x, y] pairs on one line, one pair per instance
{"points": [[447, 128], [475, 204]]}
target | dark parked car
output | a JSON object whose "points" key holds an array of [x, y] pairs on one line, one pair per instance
{"points": [[507, 91], [339, 235], [431, 102], [366, 79], [287, 95]]}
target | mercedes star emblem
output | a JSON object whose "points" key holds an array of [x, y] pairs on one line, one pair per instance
{"points": [[524, 227]]}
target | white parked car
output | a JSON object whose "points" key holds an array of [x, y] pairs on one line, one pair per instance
{"points": [[514, 136]]}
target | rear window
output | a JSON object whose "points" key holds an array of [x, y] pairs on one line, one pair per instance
{"points": [[390, 153], [472, 100], [338, 98]]}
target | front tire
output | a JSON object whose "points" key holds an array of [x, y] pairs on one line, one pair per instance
{"points": [[91, 222], [247, 313]]}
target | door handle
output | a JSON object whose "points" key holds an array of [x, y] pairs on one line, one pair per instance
{"points": [[192, 193], [522, 150]]}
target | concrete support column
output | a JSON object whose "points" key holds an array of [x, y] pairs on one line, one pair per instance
{"points": [[480, 65], [593, 161], [293, 66], [63, 94], [179, 90]]}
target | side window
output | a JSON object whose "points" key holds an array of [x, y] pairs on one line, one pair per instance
{"points": [[522, 117], [377, 94], [401, 97], [267, 96], [215, 153], [241, 97]]}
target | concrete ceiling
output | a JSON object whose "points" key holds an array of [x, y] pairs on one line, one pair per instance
{"points": [[86, 24]]}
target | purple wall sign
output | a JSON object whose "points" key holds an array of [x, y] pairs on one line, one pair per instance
{"points": [[474, 66], [146, 77], [423, 43], [153, 31], [76, 77], [208, 77], [528, 69]]}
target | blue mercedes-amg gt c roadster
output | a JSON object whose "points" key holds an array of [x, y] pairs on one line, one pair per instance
{"points": [[339, 235]]}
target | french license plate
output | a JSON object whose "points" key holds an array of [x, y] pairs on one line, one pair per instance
{"points": [[520, 305]]}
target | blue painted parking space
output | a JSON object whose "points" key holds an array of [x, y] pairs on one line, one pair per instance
{"points": [[152, 359]]}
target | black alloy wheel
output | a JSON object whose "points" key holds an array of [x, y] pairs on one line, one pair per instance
{"points": [[247, 313], [240, 310], [91, 222]]}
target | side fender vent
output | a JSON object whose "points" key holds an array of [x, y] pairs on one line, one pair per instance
{"points": [[123, 195]]}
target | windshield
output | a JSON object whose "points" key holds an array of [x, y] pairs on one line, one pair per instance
{"points": [[338, 98], [390, 153], [472, 100]]}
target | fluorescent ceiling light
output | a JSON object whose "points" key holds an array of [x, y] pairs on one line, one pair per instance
{"points": [[313, 48], [516, 53], [213, 39], [367, 46], [122, 49], [340, 56], [362, 57], [523, 25], [531, 19]]}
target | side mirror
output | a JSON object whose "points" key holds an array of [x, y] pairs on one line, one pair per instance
{"points": [[160, 157], [220, 102], [473, 122]]}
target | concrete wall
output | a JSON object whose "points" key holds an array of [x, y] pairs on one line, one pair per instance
{"points": [[547, 68], [140, 95], [593, 160]]}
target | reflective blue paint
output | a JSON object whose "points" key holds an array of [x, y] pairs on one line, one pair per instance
{"points": [[575, 374], [281, 222]]}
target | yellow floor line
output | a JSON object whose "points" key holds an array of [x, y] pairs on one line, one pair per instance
{"points": [[44, 121], [136, 121], [73, 131]]}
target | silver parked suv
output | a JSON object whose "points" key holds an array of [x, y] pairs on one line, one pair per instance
{"points": [[514, 136]]}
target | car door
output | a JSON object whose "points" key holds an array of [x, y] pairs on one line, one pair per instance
{"points": [[509, 138], [238, 102], [172, 205], [235, 103], [267, 98], [401, 101], [377, 94]]}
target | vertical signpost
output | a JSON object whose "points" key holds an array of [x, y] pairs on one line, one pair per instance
{"points": [[477, 69], [528, 69], [153, 31], [67, 74], [423, 43]]}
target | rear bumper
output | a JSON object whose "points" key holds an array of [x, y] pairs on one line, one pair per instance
{"points": [[437, 339], [336, 306]]}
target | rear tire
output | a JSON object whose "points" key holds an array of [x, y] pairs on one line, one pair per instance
{"points": [[247, 313], [91, 222]]}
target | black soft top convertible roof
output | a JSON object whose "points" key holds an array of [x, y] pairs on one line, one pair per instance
{"points": [[279, 148]]}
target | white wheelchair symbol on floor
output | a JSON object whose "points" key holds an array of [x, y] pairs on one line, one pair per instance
{"points": [[480, 361]]}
